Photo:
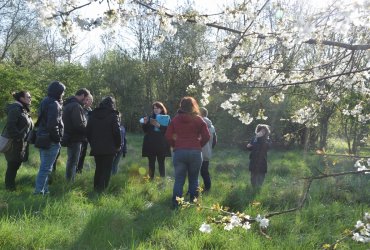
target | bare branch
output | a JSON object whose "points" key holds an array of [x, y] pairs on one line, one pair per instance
{"points": [[311, 81], [338, 44]]}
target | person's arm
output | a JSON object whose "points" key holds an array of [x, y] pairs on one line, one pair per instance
{"points": [[52, 123], [250, 145], [78, 119], [116, 132], [146, 125], [214, 141], [204, 133], [170, 135], [11, 124]]}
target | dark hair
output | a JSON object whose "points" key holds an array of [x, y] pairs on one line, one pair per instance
{"points": [[17, 95], [161, 106], [189, 105], [265, 127], [82, 91], [108, 102]]}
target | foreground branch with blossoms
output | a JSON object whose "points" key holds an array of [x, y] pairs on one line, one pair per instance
{"points": [[230, 220]]}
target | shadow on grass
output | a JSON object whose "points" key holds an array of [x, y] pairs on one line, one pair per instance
{"points": [[238, 199], [123, 229]]}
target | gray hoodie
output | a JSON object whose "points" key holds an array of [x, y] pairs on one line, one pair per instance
{"points": [[207, 149]]}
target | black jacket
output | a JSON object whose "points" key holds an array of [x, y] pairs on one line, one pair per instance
{"points": [[258, 155], [155, 143], [74, 120], [50, 113], [103, 132], [18, 125]]}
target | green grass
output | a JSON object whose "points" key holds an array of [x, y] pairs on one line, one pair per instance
{"points": [[135, 214]]}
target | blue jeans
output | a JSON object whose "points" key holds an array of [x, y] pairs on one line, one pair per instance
{"points": [[186, 162], [73, 152], [115, 163], [47, 158]]}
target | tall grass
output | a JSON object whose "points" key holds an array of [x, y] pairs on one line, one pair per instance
{"points": [[136, 214]]}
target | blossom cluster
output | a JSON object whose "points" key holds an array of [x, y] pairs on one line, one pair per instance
{"points": [[357, 112], [362, 230], [363, 165], [235, 220], [266, 44], [306, 115]]}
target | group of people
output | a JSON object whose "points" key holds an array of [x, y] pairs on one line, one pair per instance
{"points": [[73, 124], [191, 136]]}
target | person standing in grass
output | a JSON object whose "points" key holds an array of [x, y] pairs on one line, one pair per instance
{"points": [[155, 146], [75, 122], [187, 134], [87, 110], [51, 124], [207, 149], [259, 145], [103, 134], [18, 125]]}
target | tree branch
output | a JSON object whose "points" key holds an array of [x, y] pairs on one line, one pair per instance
{"points": [[309, 181], [338, 44], [311, 81]]}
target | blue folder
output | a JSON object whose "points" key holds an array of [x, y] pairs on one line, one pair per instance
{"points": [[163, 120]]}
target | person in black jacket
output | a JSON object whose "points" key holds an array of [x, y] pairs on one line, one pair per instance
{"points": [[75, 122], [103, 134], [87, 110], [155, 145], [259, 146], [18, 125], [50, 126]]}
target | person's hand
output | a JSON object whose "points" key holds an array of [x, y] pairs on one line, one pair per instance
{"points": [[155, 123], [145, 119], [249, 145]]}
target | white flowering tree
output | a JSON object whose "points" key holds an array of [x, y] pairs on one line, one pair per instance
{"points": [[263, 51]]}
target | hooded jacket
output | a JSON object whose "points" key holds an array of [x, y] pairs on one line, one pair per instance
{"points": [[74, 120], [50, 113], [207, 149], [103, 132], [187, 131], [18, 125]]}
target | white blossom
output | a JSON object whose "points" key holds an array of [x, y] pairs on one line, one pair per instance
{"points": [[228, 227], [205, 228]]}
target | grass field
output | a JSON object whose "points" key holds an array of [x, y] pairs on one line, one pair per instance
{"points": [[136, 214]]}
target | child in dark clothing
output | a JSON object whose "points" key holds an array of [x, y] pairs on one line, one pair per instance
{"points": [[258, 146]]}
